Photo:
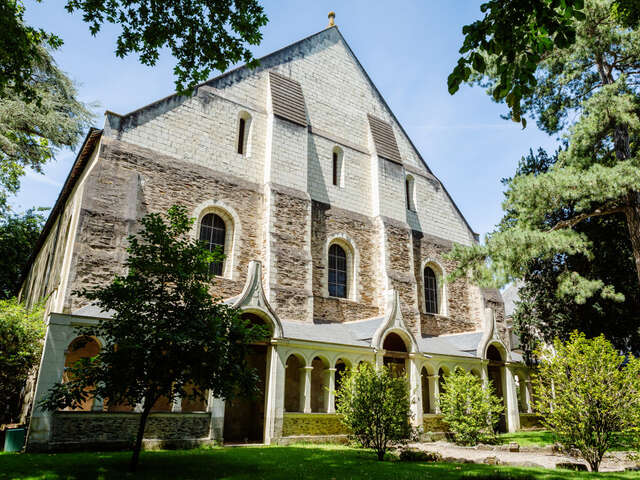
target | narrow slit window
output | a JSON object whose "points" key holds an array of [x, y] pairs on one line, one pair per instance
{"points": [[212, 233], [335, 168], [409, 186], [337, 271], [241, 129]]}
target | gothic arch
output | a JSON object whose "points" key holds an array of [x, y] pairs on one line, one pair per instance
{"points": [[253, 300]]}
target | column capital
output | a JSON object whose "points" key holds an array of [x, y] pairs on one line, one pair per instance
{"points": [[331, 369], [433, 377]]}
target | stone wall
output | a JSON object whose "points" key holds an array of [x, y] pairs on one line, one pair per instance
{"points": [[399, 268], [127, 183], [357, 232], [71, 430], [297, 424], [433, 423], [530, 421], [460, 314], [290, 260]]}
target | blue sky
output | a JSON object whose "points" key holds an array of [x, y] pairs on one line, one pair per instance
{"points": [[407, 51]]}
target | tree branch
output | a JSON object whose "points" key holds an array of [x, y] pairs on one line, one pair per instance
{"points": [[575, 220]]}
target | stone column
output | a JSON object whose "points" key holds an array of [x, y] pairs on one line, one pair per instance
{"points": [[434, 393], [305, 384], [176, 405], [484, 373], [215, 406], [415, 389], [528, 395], [511, 399], [331, 391], [274, 392], [58, 337]]}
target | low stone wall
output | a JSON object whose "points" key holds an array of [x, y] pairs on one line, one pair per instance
{"points": [[89, 430], [432, 423], [530, 421], [312, 424]]}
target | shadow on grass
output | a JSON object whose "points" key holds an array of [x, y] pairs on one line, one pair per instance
{"points": [[255, 463]]}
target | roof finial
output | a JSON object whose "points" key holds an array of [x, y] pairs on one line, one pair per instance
{"points": [[332, 16]]}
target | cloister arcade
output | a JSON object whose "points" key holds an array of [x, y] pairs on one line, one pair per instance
{"points": [[298, 377]]}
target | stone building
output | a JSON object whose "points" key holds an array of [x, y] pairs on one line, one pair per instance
{"points": [[334, 230]]}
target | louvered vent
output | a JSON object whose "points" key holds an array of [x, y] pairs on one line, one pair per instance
{"points": [[287, 99], [384, 139]]}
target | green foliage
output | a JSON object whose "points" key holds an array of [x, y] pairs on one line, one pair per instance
{"points": [[471, 410], [202, 35], [516, 35], [586, 392], [311, 461], [32, 131], [18, 235], [20, 51], [21, 334], [539, 316], [166, 331], [594, 81], [374, 406]]}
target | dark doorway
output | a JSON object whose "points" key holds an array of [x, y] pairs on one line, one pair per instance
{"points": [[244, 417], [395, 356], [495, 371]]}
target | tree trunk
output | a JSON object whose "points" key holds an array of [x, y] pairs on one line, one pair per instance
{"points": [[633, 224], [138, 446]]}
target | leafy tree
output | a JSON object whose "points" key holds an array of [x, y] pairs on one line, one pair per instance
{"points": [[586, 392], [595, 81], [374, 406], [540, 316], [471, 411], [517, 35], [21, 335], [166, 333], [18, 236], [203, 35], [32, 131]]}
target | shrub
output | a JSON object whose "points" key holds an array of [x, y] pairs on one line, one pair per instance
{"points": [[586, 392], [374, 406], [21, 334], [471, 410], [415, 455]]}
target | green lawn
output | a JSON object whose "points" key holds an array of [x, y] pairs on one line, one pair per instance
{"points": [[541, 438], [254, 463]]}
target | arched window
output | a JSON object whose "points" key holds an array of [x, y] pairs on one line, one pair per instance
{"points": [[430, 290], [212, 233], [337, 271], [410, 191], [337, 167]]}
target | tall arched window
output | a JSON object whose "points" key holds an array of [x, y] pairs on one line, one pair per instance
{"points": [[337, 271], [212, 233], [430, 290]]}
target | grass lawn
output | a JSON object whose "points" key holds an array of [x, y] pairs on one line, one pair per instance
{"points": [[254, 463], [541, 438]]}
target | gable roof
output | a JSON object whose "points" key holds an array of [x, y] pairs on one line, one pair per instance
{"points": [[290, 50]]}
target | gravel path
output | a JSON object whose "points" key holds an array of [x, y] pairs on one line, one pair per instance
{"points": [[526, 457]]}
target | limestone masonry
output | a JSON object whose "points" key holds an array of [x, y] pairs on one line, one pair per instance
{"points": [[334, 230]]}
